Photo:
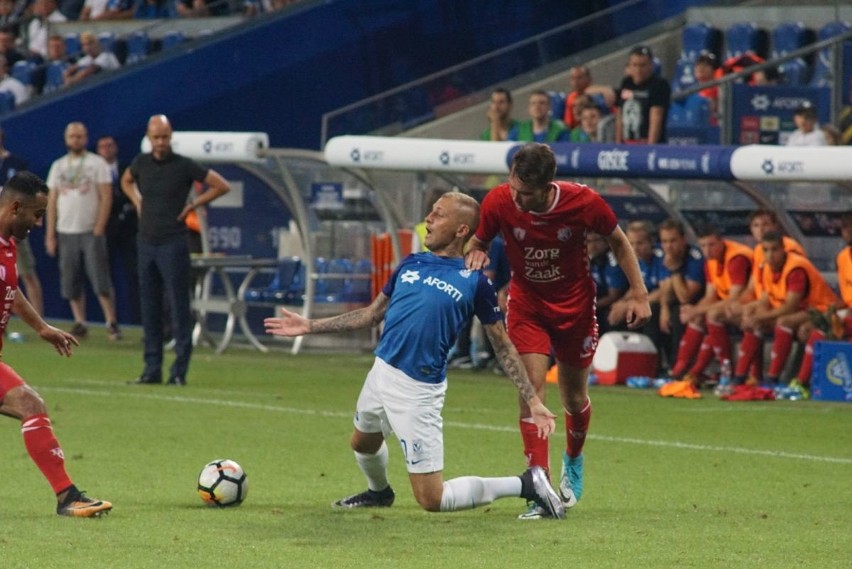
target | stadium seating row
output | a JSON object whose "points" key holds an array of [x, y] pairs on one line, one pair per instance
{"points": [[129, 50], [748, 37], [337, 280]]}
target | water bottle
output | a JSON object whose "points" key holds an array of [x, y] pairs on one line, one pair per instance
{"points": [[724, 386], [638, 381]]}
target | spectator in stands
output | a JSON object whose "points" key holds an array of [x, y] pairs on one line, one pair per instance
{"points": [[682, 280], [9, 84], [642, 102], [71, 8], [541, 127], [738, 63], [10, 164], [93, 9], [78, 207], [728, 270], [154, 9], [45, 12], [203, 8], [836, 324], [118, 10], [8, 37], [788, 286], [499, 115], [767, 76], [580, 81], [587, 130], [93, 61], [831, 133], [122, 227], [8, 17], [56, 52], [807, 131], [704, 71]]}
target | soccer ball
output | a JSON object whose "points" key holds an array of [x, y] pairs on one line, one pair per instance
{"points": [[222, 483]]}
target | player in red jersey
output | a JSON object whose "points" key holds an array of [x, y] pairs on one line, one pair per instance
{"points": [[551, 308], [23, 202]]}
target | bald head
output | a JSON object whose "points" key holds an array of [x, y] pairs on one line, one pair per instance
{"points": [[451, 223], [161, 120], [76, 137], [160, 136], [466, 210]]}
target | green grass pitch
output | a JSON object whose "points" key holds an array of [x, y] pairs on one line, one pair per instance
{"points": [[669, 483]]}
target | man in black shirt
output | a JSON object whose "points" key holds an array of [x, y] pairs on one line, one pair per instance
{"points": [[642, 101], [158, 183]]}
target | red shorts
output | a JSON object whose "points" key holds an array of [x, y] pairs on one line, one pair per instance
{"points": [[9, 380], [571, 342]]}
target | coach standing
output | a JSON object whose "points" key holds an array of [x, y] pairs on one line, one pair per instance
{"points": [[159, 183]]}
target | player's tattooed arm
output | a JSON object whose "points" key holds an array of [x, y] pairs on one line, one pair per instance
{"points": [[509, 359], [354, 320]]}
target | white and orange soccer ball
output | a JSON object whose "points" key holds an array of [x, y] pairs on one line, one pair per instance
{"points": [[222, 483]]}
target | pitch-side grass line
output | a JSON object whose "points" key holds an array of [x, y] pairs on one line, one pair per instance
{"points": [[475, 426]]}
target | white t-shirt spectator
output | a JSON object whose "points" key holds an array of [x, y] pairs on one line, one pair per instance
{"points": [[37, 32], [106, 61], [96, 8], [814, 138], [19, 90]]}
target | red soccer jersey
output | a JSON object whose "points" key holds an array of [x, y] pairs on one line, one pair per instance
{"points": [[547, 251], [8, 281]]}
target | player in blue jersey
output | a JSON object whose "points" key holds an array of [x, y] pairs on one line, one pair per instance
{"points": [[426, 301]]}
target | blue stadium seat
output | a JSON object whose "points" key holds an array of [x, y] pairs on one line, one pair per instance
{"points": [[72, 45], [795, 71], [699, 37], [692, 111], [23, 71], [286, 286], [361, 287], [822, 67], [337, 288], [54, 79], [684, 76], [789, 36], [138, 46], [697, 110], [7, 102], [107, 41], [172, 38], [743, 37]]}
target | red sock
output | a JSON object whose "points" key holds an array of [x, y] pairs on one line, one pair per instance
{"points": [[807, 366], [686, 350], [535, 448], [720, 341], [45, 451], [576, 428], [748, 350], [705, 356], [781, 346], [756, 370]]}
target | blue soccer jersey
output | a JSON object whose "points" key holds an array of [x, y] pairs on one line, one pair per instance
{"points": [[431, 298]]}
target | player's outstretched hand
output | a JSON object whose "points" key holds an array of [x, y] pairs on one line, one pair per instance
{"points": [[289, 324], [62, 341], [476, 259], [543, 419]]}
